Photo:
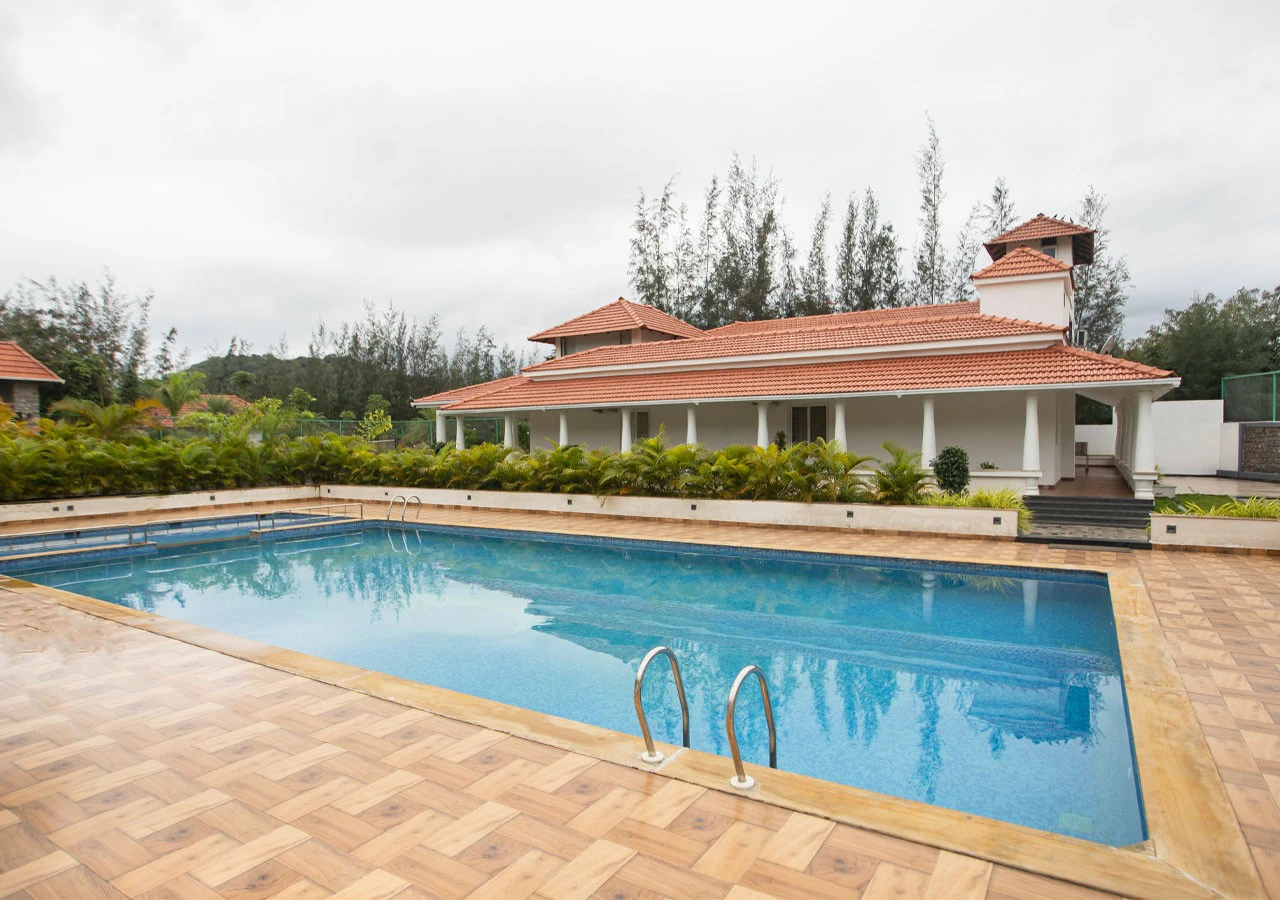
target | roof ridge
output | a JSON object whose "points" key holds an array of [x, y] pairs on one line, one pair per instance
{"points": [[1134, 365]]}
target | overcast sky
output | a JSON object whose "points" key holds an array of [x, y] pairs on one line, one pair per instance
{"points": [[260, 164]]}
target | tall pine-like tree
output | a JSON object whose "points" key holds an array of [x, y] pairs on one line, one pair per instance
{"points": [[877, 276], [930, 276], [999, 212], [846, 284], [815, 283], [960, 265], [1101, 288]]}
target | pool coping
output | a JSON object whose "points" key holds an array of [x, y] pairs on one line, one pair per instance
{"points": [[1195, 845]]}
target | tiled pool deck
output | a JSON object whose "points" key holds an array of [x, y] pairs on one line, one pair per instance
{"points": [[133, 763]]}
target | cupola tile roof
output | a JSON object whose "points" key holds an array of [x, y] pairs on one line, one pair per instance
{"points": [[620, 315], [1041, 227]]}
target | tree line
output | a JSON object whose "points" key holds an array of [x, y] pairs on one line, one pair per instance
{"points": [[739, 260], [98, 339]]}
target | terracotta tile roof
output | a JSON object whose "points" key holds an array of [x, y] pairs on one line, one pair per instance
{"points": [[1042, 227], [620, 315], [1022, 261], [850, 319], [795, 340], [469, 391], [17, 364], [1048, 366]]}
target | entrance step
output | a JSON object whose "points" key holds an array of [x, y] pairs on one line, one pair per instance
{"points": [[1089, 521]]}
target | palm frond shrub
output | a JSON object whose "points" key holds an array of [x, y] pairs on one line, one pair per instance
{"points": [[899, 480], [1252, 508]]}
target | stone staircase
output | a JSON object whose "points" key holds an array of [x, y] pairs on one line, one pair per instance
{"points": [[1100, 521]]}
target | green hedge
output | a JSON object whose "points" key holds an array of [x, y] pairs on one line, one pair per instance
{"points": [[63, 464]]}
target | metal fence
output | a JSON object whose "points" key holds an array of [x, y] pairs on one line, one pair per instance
{"points": [[1250, 398], [411, 431]]}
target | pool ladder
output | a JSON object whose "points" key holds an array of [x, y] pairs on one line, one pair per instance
{"points": [[405, 507], [740, 780]]}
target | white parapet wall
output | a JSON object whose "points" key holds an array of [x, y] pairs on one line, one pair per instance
{"points": [[76, 507], [860, 516], [1212, 531]]}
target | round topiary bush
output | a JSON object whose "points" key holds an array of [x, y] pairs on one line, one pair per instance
{"points": [[951, 470]]}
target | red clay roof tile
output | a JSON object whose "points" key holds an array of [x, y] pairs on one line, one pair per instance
{"points": [[620, 315], [17, 364], [850, 319], [1041, 227], [793, 339], [470, 391], [1046, 366], [1022, 261]]}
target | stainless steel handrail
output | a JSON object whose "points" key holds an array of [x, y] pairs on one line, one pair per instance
{"points": [[651, 754], [417, 511], [392, 505], [742, 780]]}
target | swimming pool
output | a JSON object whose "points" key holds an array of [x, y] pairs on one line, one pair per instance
{"points": [[992, 691]]}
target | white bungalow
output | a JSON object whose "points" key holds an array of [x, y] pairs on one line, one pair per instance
{"points": [[997, 376]]}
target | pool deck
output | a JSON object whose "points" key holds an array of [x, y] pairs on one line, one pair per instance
{"points": [[135, 761]]}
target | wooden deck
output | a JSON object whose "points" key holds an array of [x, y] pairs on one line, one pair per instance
{"points": [[133, 763]]}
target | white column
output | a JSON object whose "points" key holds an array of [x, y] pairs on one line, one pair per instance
{"points": [[1031, 436], [1144, 447], [838, 433], [762, 424], [462, 436], [564, 429], [926, 596], [691, 425], [626, 431], [508, 431], [1030, 594], [441, 430], [929, 437]]}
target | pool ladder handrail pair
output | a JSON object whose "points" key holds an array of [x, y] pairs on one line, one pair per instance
{"points": [[741, 779], [405, 508]]}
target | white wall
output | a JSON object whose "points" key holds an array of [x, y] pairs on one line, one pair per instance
{"points": [[579, 342], [1101, 438], [1229, 446], [1039, 300], [1187, 435]]}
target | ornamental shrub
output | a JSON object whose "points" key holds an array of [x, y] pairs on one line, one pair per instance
{"points": [[951, 470]]}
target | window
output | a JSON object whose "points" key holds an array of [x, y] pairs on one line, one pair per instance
{"points": [[808, 423], [624, 337], [641, 421], [1049, 247]]}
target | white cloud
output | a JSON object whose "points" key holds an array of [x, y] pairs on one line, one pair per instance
{"points": [[259, 165]]}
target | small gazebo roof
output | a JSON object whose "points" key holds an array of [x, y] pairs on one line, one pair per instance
{"points": [[1042, 227]]}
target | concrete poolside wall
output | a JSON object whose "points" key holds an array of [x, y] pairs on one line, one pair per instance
{"points": [[52, 510], [859, 516], [1210, 532], [854, 516]]}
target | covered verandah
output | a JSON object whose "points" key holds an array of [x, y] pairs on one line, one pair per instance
{"points": [[1015, 437]]}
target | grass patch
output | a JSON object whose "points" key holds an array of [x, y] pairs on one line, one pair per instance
{"points": [[1176, 506]]}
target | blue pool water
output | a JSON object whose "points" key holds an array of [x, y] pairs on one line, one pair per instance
{"points": [[992, 691]]}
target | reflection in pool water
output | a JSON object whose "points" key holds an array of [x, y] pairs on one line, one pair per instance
{"points": [[984, 691]]}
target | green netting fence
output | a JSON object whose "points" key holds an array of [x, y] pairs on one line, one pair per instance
{"points": [[1250, 398]]}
